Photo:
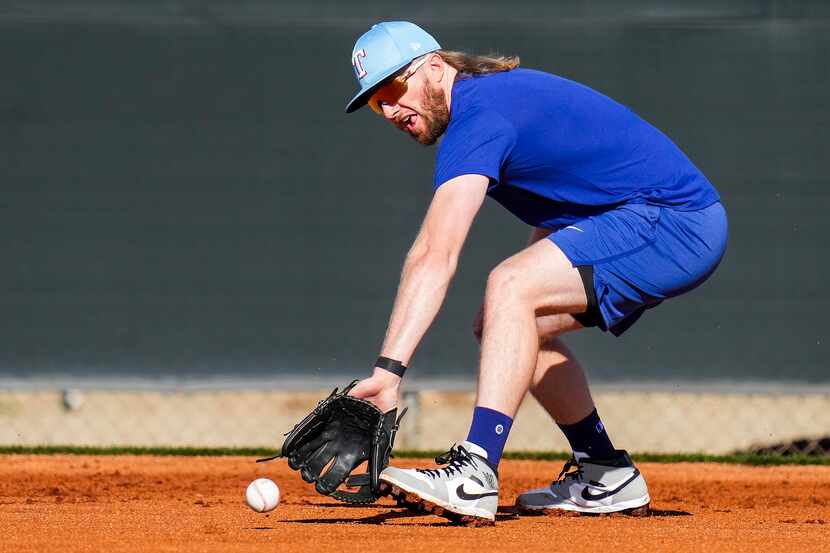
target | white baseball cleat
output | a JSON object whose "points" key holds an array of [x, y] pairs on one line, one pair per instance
{"points": [[595, 486], [466, 490]]}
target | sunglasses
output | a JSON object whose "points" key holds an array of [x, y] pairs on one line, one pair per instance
{"points": [[392, 91]]}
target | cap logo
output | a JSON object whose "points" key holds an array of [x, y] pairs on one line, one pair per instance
{"points": [[358, 65], [415, 45]]}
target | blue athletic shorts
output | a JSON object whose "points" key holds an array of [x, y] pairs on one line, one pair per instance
{"points": [[634, 256]]}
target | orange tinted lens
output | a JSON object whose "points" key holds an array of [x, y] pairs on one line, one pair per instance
{"points": [[373, 103], [387, 94]]}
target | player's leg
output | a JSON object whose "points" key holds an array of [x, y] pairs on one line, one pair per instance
{"points": [[535, 282], [559, 383], [560, 386]]}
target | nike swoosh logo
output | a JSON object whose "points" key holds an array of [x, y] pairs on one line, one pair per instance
{"points": [[574, 228], [472, 496], [588, 496]]}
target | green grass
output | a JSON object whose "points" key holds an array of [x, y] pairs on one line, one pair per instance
{"points": [[738, 458]]}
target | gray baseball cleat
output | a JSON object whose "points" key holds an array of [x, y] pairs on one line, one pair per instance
{"points": [[466, 490], [595, 486]]}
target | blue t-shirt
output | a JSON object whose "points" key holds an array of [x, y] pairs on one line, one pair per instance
{"points": [[556, 151]]}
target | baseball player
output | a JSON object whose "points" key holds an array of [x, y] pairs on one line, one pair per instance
{"points": [[621, 220]]}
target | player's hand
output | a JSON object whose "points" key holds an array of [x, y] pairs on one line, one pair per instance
{"points": [[478, 323], [381, 389]]}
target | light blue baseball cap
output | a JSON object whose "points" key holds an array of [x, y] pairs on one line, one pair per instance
{"points": [[382, 51]]}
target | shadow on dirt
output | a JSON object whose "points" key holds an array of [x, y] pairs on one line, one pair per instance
{"points": [[504, 515], [669, 513], [345, 505]]}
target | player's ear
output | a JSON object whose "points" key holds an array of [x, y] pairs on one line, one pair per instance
{"points": [[436, 67]]}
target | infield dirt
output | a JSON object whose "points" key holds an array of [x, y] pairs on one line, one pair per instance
{"points": [[124, 503]]}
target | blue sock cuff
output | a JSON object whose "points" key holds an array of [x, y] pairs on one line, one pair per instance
{"points": [[489, 430]]}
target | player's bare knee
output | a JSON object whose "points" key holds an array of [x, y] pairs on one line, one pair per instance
{"points": [[505, 284]]}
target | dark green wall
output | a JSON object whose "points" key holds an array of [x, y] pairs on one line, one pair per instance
{"points": [[183, 194]]}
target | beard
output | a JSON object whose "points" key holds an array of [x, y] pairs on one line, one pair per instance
{"points": [[436, 115]]}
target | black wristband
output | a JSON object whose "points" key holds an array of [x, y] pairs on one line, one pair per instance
{"points": [[394, 367]]}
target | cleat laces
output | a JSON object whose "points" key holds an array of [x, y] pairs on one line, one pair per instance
{"points": [[564, 476], [456, 459]]}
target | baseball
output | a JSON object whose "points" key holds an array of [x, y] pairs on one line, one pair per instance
{"points": [[262, 495]]}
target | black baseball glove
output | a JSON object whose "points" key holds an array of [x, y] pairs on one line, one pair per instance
{"points": [[338, 435]]}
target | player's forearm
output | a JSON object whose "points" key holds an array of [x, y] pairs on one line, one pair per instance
{"points": [[424, 283]]}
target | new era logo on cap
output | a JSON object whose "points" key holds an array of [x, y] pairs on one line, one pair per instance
{"points": [[383, 50]]}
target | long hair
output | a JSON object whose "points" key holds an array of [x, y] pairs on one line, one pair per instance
{"points": [[478, 65]]}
